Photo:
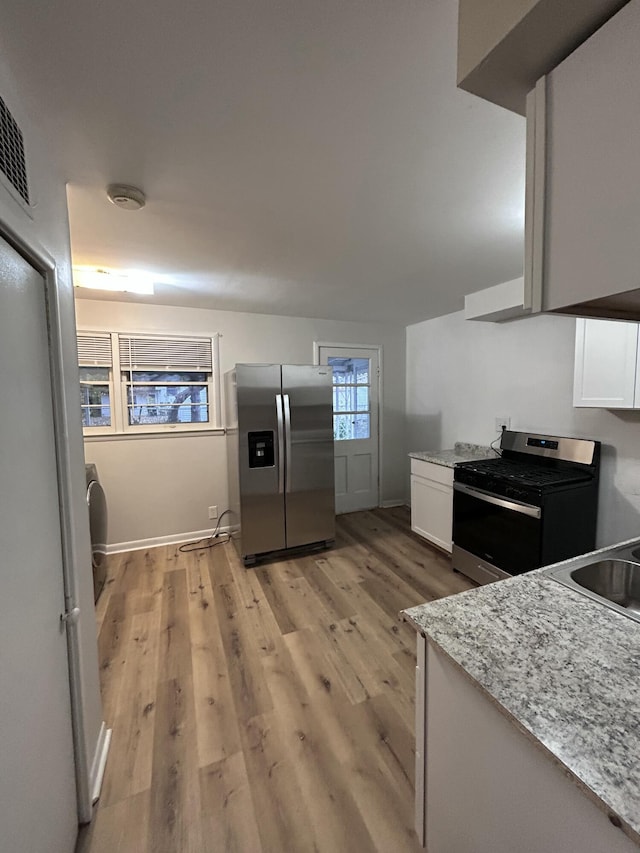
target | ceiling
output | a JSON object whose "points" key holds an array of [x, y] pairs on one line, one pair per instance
{"points": [[301, 157]]}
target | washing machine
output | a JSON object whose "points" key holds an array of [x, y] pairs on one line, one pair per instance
{"points": [[97, 505]]}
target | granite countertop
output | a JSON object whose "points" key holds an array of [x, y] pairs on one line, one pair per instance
{"points": [[562, 667], [462, 452]]}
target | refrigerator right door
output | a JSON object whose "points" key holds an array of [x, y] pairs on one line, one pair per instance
{"points": [[307, 392], [261, 458]]}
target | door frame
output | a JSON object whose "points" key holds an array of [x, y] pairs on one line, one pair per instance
{"points": [[378, 349], [44, 264]]}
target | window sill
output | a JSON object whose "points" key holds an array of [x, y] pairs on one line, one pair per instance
{"points": [[137, 436]]}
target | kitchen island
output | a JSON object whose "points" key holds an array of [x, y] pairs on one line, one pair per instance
{"points": [[527, 721]]}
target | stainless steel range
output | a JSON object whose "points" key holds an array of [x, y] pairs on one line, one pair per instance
{"points": [[534, 505]]}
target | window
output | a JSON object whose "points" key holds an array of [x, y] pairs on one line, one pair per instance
{"points": [[147, 384], [96, 385], [351, 403], [166, 381]]}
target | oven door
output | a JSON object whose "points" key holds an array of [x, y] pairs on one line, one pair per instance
{"points": [[505, 533]]}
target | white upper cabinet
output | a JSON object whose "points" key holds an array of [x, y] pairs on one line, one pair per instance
{"points": [[504, 46], [501, 302], [522, 296], [592, 228], [606, 366]]}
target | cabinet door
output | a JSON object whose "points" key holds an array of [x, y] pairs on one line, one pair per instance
{"points": [[605, 367], [490, 790], [421, 719], [592, 248], [432, 510]]}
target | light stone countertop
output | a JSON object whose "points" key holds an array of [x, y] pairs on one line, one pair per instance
{"points": [[462, 452], [563, 668]]}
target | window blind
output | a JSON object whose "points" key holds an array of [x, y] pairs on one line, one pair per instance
{"points": [[165, 353], [94, 349]]}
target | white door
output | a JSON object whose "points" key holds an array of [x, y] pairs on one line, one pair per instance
{"points": [[355, 424], [37, 782]]}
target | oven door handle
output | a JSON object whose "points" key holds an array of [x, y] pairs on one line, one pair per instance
{"points": [[487, 497]]}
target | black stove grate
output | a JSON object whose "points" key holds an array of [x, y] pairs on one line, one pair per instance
{"points": [[527, 475]]}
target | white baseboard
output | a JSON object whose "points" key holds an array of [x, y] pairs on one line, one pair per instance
{"points": [[156, 541], [389, 504], [99, 762]]}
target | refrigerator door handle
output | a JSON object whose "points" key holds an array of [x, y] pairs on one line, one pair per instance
{"points": [[287, 433], [280, 417]]}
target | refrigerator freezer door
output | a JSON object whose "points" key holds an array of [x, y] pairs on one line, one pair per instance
{"points": [[261, 502], [308, 407]]}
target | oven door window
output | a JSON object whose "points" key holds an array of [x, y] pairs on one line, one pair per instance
{"points": [[507, 539]]}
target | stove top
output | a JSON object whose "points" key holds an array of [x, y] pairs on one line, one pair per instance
{"points": [[538, 476], [533, 465]]}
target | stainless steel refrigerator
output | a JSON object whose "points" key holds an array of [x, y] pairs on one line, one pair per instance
{"points": [[279, 422]]}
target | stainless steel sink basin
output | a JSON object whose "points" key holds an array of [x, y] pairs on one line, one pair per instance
{"points": [[613, 582]]}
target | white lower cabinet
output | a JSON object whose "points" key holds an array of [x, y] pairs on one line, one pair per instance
{"points": [[421, 672], [483, 787], [432, 502]]}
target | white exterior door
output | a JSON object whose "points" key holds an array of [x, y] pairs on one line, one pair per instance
{"points": [[38, 811], [355, 424]]}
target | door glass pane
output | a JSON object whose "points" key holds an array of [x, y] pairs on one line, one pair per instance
{"points": [[349, 427], [342, 427], [349, 371], [362, 399], [349, 398], [342, 399], [362, 426]]}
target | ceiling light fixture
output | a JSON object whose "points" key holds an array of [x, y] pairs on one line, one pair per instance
{"points": [[122, 281], [126, 197]]}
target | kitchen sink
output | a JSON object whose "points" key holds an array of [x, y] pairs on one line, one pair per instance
{"points": [[613, 582]]}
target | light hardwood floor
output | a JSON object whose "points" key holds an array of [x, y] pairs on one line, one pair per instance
{"points": [[266, 709]]}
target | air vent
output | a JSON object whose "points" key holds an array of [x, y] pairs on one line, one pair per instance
{"points": [[12, 159]]}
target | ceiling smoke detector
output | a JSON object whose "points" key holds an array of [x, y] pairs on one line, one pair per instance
{"points": [[126, 197]]}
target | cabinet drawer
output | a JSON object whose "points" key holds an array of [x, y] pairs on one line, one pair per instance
{"points": [[431, 471]]}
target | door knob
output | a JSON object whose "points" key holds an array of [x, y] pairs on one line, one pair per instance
{"points": [[70, 617]]}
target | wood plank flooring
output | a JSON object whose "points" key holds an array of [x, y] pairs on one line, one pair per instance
{"points": [[265, 710]]}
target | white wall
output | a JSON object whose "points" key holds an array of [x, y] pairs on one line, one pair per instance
{"points": [[462, 374], [162, 486], [49, 230]]}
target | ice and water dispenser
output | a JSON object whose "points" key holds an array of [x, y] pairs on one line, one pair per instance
{"points": [[261, 449]]}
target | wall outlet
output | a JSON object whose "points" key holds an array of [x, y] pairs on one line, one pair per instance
{"points": [[213, 512], [504, 421]]}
